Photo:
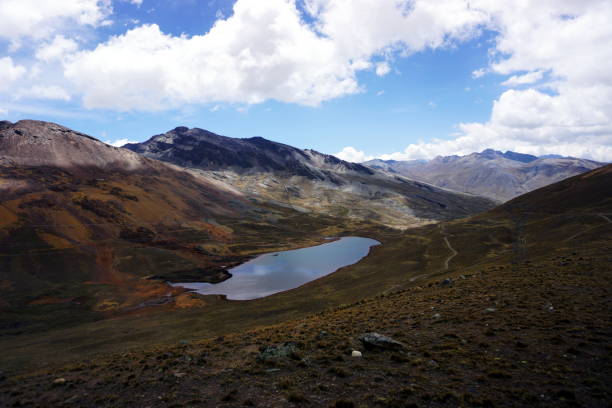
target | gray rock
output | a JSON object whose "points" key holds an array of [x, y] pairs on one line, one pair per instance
{"points": [[322, 334], [373, 341], [447, 282], [273, 353], [490, 310], [72, 400]]}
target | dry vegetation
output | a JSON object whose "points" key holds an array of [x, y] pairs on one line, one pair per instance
{"points": [[521, 317]]}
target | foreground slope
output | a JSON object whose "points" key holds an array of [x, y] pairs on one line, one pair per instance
{"points": [[509, 308], [490, 173], [84, 226], [308, 180]]}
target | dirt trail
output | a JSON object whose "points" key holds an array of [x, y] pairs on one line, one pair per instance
{"points": [[605, 217], [450, 247]]}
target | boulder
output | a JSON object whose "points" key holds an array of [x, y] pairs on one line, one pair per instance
{"points": [[272, 353], [373, 341]]}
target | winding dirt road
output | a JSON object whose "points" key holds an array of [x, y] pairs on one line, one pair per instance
{"points": [[450, 247], [605, 217]]}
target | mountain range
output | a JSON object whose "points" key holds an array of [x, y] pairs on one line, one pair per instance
{"points": [[89, 230], [308, 180], [512, 301], [490, 173]]}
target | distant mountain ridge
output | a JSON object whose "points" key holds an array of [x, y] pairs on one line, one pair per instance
{"points": [[490, 173], [38, 143], [306, 179], [209, 151]]}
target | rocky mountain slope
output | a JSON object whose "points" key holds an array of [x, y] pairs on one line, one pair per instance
{"points": [[307, 180], [84, 225], [509, 308], [493, 174]]}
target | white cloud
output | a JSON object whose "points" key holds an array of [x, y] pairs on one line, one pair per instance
{"points": [[51, 92], [9, 72], [382, 69], [57, 49], [353, 155], [556, 51], [40, 19], [380, 93], [137, 2], [265, 50], [119, 142], [478, 73], [528, 78], [570, 112], [3, 112]]}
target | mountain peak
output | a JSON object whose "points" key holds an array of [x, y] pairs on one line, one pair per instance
{"points": [[206, 150], [38, 143], [521, 157]]}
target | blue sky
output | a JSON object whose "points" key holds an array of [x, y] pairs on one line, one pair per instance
{"points": [[358, 79]]}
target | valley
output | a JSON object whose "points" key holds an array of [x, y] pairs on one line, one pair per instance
{"points": [[305, 203], [483, 304]]}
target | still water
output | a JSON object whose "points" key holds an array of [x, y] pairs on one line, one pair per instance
{"points": [[279, 271]]}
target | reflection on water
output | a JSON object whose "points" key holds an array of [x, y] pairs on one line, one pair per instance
{"points": [[280, 271]]}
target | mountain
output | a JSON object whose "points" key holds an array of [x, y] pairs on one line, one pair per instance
{"points": [[89, 230], [308, 180], [508, 308], [490, 173], [209, 151]]}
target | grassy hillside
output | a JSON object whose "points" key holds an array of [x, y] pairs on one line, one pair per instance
{"points": [[509, 308]]}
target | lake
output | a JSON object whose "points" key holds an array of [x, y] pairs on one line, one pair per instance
{"points": [[279, 271]]}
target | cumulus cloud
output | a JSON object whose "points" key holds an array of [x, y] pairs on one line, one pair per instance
{"points": [[40, 19], [478, 73], [528, 78], [9, 72], [553, 55], [570, 113], [353, 155], [265, 50], [119, 142], [52, 92], [56, 49], [382, 69]]}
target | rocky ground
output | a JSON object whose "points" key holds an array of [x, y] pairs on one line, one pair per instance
{"points": [[534, 334]]}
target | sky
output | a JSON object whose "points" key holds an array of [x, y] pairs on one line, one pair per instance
{"points": [[361, 79]]}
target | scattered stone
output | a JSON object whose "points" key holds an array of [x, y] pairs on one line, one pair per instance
{"points": [[433, 364], [462, 276], [271, 353], [436, 316], [446, 282], [549, 307], [379, 341], [179, 375], [72, 400], [322, 334], [356, 353], [59, 381], [490, 310]]}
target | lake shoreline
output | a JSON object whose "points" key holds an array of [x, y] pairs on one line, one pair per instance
{"points": [[293, 269]]}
